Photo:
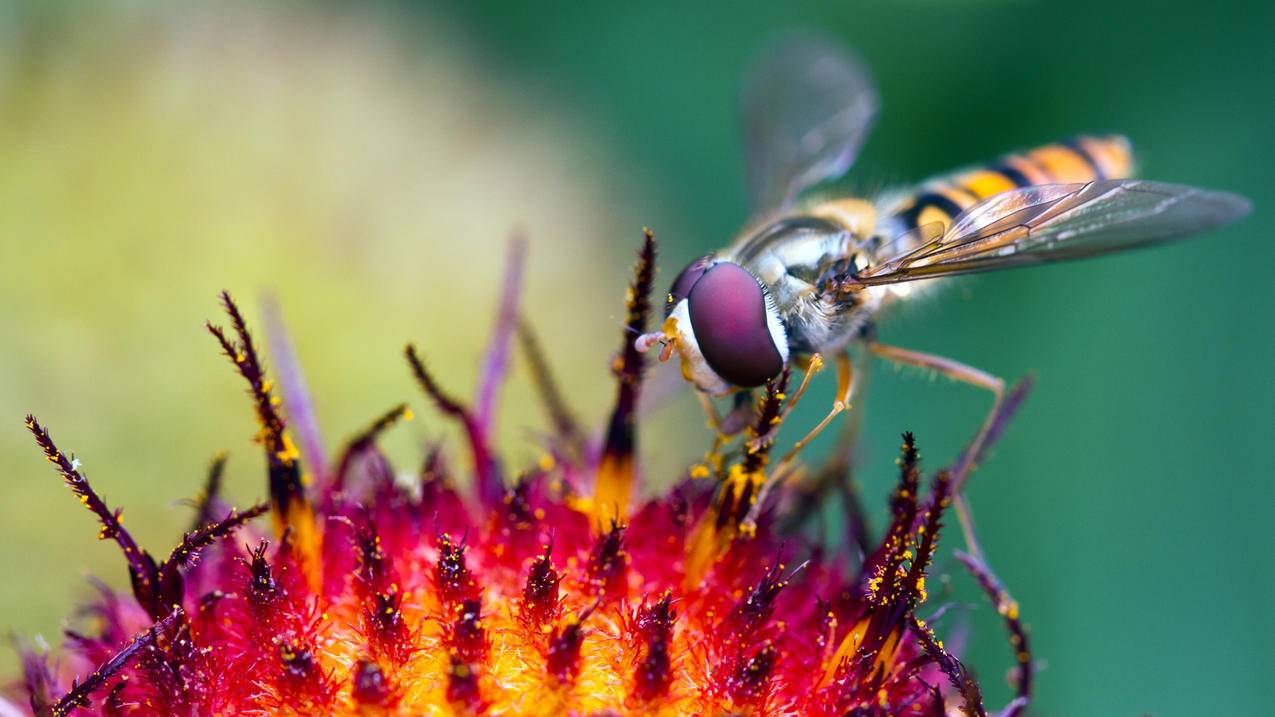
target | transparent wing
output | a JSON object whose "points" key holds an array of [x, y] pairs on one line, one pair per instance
{"points": [[1052, 222], [807, 110]]}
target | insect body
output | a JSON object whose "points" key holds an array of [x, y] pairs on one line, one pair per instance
{"points": [[807, 280], [793, 259]]}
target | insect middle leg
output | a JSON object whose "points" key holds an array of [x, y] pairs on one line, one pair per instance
{"points": [[956, 371]]}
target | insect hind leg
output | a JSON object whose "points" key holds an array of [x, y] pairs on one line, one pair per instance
{"points": [[964, 373]]}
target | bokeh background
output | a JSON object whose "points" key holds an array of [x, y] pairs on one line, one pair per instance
{"points": [[365, 164]]}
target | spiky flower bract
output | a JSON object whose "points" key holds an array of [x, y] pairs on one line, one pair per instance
{"points": [[539, 590]]}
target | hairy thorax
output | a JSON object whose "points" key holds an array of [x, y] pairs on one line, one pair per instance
{"points": [[793, 255]]}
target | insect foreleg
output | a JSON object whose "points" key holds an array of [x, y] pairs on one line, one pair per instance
{"points": [[783, 469], [845, 387]]}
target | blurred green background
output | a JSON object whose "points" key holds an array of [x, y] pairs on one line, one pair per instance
{"points": [[365, 164]]}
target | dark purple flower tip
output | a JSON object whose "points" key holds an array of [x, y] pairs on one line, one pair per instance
{"points": [[728, 314], [685, 281]]}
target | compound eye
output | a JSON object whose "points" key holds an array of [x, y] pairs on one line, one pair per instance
{"points": [[685, 280], [728, 314]]}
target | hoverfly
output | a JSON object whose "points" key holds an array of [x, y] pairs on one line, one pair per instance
{"points": [[806, 281]]}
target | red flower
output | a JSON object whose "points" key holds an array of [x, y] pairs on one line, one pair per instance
{"points": [[540, 592]]}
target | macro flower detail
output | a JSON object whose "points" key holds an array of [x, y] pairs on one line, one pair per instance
{"points": [[549, 589]]}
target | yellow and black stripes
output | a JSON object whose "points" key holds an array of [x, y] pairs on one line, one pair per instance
{"points": [[1081, 159]]}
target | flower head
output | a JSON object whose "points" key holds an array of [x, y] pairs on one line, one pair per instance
{"points": [[543, 590]]}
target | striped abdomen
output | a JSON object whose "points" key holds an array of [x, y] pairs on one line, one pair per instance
{"points": [[1082, 159]]}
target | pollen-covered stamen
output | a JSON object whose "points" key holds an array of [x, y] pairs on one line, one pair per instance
{"points": [[540, 603], [656, 620], [462, 685], [757, 449], [263, 589], [956, 674], [563, 658], [653, 673], [927, 538], [287, 491], [297, 659], [770, 413], [301, 681], [518, 514], [142, 568], [739, 498], [369, 685], [366, 439], [893, 581], [608, 562], [386, 627], [486, 469], [452, 578], [903, 502], [209, 602], [514, 528], [752, 612], [882, 571], [174, 651], [740, 492], [901, 590], [196, 540], [875, 640], [293, 513], [466, 635], [750, 683], [826, 632], [372, 573], [1007, 608], [614, 482], [169, 592], [114, 704], [80, 691]]}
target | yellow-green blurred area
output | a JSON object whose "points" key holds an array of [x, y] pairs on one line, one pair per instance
{"points": [[367, 175], [366, 165]]}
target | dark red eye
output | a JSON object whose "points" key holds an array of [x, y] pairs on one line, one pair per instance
{"points": [[682, 285], [728, 315]]}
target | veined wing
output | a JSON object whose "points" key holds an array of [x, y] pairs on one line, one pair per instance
{"points": [[1052, 222], [807, 110]]}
